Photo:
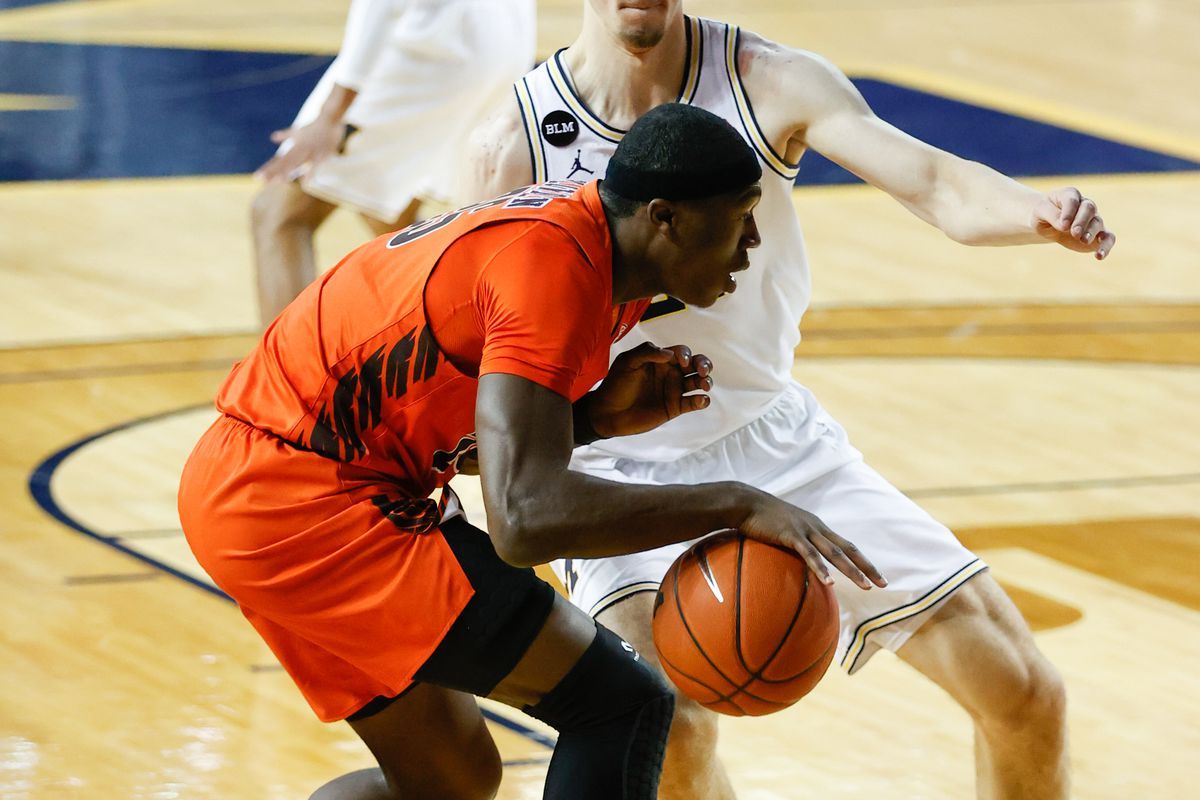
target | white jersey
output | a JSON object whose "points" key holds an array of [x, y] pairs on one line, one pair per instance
{"points": [[750, 335]]}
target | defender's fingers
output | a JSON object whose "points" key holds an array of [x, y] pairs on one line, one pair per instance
{"points": [[1093, 230], [1083, 217], [1068, 201], [278, 137], [1107, 241], [695, 402]]}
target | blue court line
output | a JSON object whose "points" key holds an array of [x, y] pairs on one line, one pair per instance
{"points": [[6, 5], [40, 489], [156, 111]]}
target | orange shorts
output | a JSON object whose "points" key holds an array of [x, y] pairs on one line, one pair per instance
{"points": [[350, 603]]}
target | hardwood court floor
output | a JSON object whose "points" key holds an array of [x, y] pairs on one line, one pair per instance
{"points": [[1040, 403]]}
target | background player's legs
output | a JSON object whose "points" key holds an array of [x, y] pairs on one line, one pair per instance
{"points": [[691, 769], [283, 220], [430, 743], [979, 649]]}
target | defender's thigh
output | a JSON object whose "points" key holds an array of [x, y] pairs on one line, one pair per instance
{"points": [[978, 647], [922, 560]]}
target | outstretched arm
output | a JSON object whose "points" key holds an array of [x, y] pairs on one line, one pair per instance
{"points": [[814, 105], [538, 509]]}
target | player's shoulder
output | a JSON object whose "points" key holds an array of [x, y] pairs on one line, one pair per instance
{"points": [[765, 58], [770, 69], [497, 153]]}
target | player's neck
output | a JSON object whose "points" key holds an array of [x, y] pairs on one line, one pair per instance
{"points": [[619, 84], [634, 271]]}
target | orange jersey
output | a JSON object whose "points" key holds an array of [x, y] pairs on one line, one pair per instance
{"points": [[356, 368]]}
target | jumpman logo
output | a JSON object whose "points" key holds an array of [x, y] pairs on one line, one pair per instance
{"points": [[578, 166]]}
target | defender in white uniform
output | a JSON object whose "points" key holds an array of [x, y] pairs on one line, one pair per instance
{"points": [[386, 126], [763, 428]]}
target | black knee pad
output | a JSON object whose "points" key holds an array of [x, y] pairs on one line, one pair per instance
{"points": [[613, 713]]}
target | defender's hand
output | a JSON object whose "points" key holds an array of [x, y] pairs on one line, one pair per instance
{"points": [[310, 145], [647, 386], [779, 523], [1070, 219]]}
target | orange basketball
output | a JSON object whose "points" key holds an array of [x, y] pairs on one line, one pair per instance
{"points": [[742, 627]]}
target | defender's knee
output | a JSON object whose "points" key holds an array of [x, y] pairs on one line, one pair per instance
{"points": [[1030, 694]]}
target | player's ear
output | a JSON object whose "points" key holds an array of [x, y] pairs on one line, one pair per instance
{"points": [[662, 214]]}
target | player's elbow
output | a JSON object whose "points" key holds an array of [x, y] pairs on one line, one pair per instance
{"points": [[520, 536]]}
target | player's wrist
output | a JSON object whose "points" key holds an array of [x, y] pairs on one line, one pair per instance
{"points": [[581, 416]]}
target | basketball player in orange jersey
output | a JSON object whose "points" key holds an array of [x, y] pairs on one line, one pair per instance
{"points": [[307, 501], [941, 613], [383, 130]]}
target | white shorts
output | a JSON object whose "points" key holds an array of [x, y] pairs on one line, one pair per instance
{"points": [[800, 454], [447, 64]]}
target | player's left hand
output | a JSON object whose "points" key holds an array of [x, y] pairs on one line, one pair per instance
{"points": [[1067, 217], [647, 386]]}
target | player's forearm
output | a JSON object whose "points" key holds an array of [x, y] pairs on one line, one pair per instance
{"points": [[581, 516], [335, 106], [975, 205]]}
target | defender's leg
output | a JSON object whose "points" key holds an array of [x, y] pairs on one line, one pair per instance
{"points": [[979, 649]]}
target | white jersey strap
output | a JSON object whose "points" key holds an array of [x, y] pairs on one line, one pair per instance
{"points": [[758, 139]]}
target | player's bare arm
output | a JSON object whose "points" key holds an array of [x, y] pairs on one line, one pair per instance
{"points": [[538, 509], [814, 105], [497, 156]]}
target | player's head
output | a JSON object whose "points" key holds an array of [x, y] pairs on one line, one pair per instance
{"points": [[690, 183], [637, 24]]}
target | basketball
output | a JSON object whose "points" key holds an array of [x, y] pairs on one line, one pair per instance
{"points": [[742, 627]]}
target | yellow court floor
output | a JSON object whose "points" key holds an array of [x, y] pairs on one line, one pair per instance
{"points": [[1043, 405]]}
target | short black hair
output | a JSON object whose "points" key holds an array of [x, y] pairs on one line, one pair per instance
{"points": [[677, 152]]}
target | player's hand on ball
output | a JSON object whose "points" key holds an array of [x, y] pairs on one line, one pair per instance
{"points": [[779, 523], [1073, 221], [647, 386]]}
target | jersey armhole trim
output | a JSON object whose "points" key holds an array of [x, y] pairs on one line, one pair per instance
{"points": [[694, 58], [778, 164], [537, 149]]}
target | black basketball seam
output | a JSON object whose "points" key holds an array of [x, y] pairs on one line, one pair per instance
{"points": [[753, 676], [818, 660], [757, 674], [692, 636], [722, 698], [791, 625]]}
